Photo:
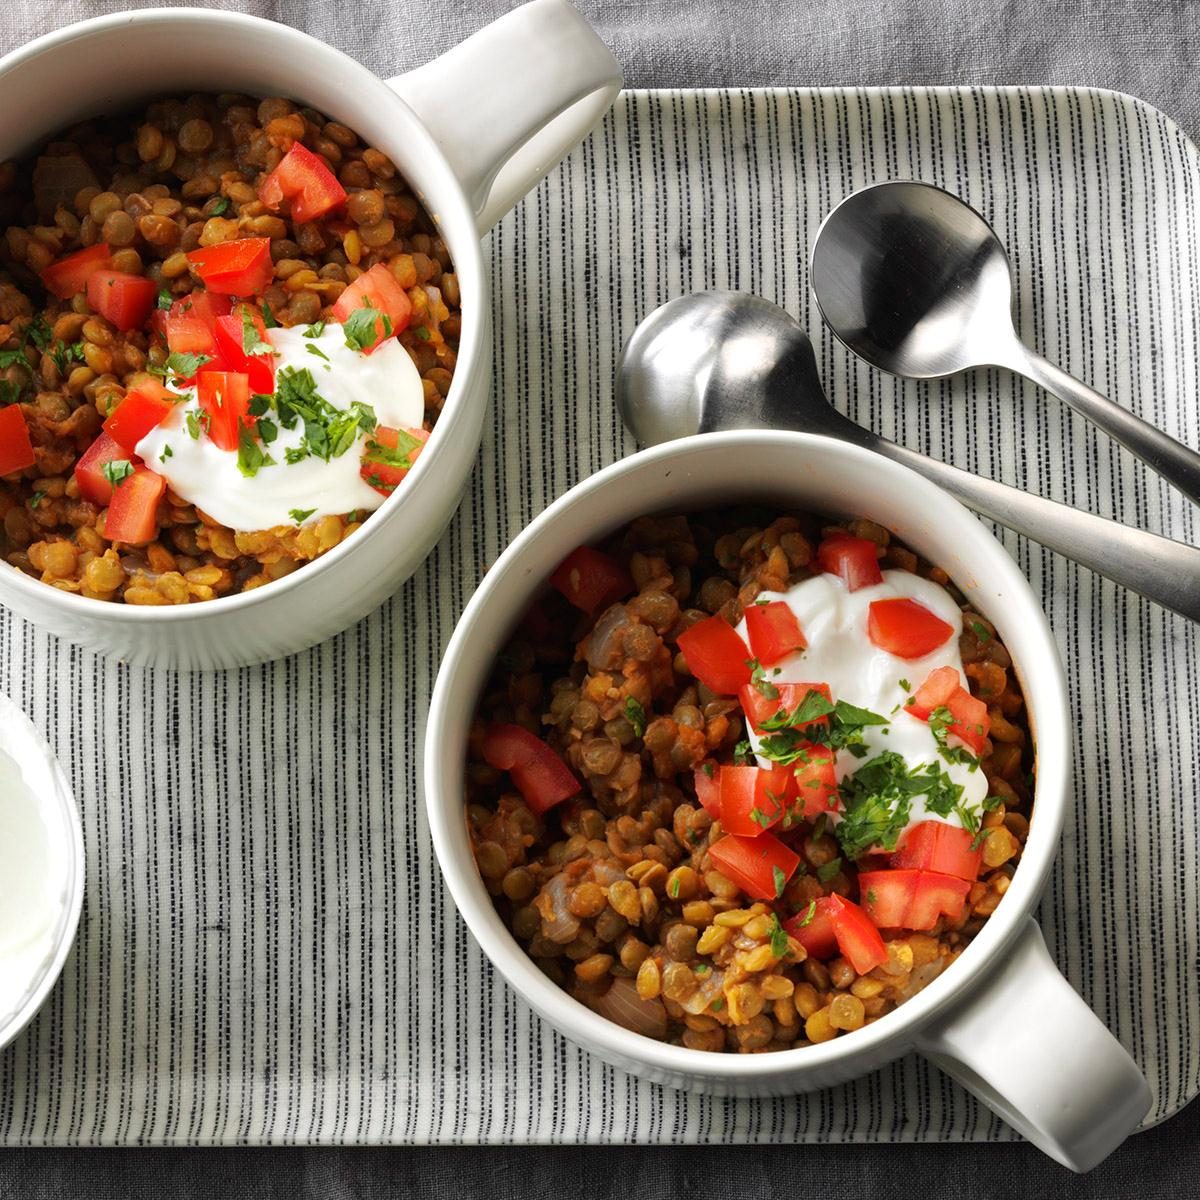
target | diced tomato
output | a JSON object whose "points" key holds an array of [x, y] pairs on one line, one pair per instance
{"points": [[133, 509], [377, 289], [760, 708], [905, 628], [938, 846], [144, 408], [225, 397], [204, 306], [760, 866], [70, 275], [815, 932], [231, 338], [753, 799], [774, 632], [89, 470], [591, 580], [816, 788], [708, 789], [970, 720], [911, 899], [935, 692], [855, 560], [189, 335], [16, 450], [123, 300], [716, 655], [303, 178], [386, 461], [536, 770], [857, 938], [238, 268]]}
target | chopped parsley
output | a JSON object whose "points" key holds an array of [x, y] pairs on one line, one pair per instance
{"points": [[63, 355], [708, 768], [183, 366], [220, 208], [193, 424], [829, 870], [779, 879], [941, 722], [252, 343], [268, 316], [300, 515], [36, 499], [778, 936], [788, 735], [906, 685], [742, 754], [165, 299], [673, 889], [317, 351], [116, 470], [315, 329], [809, 913], [982, 632], [635, 714], [166, 453], [268, 431], [38, 332], [328, 431], [10, 392], [759, 680], [361, 327], [251, 456]]}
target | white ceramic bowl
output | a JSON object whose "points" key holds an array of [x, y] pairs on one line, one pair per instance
{"points": [[1001, 1020], [470, 132]]}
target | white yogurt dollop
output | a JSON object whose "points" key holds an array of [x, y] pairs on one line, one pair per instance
{"points": [[210, 478], [840, 653]]}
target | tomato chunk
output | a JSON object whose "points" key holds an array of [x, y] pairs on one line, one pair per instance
{"points": [[760, 866], [774, 632], [591, 580], [389, 455], [911, 899], [708, 789], [377, 289], [123, 300], [855, 560], [969, 720], [243, 346], [716, 655], [753, 799], [814, 929], [70, 275], [144, 408], [303, 178], [935, 692], [816, 789], [16, 450], [204, 306], [133, 509], [541, 777], [857, 938], [189, 335], [905, 628], [760, 708], [239, 268], [936, 896], [225, 397], [938, 846], [89, 470]]}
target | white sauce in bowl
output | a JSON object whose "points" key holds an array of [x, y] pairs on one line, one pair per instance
{"points": [[839, 653], [209, 477]]}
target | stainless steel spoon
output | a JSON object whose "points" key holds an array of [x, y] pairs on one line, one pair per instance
{"points": [[727, 360], [916, 282]]}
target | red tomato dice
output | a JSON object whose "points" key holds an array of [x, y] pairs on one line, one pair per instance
{"points": [[121, 299], [133, 510], [204, 306], [905, 628], [773, 631], [239, 268], [760, 866], [816, 789], [814, 930], [970, 720], [753, 799], [189, 335], [759, 708], [716, 655], [303, 178], [89, 470], [144, 408], [911, 899], [541, 777], [708, 788], [70, 275], [16, 450], [235, 344], [854, 560], [935, 692], [377, 289], [225, 397], [935, 896], [938, 846], [857, 938], [591, 580], [389, 455]]}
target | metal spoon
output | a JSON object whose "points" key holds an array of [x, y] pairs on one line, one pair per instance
{"points": [[917, 283], [727, 360]]}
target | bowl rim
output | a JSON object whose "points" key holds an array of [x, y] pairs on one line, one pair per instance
{"points": [[453, 213], [893, 1034]]}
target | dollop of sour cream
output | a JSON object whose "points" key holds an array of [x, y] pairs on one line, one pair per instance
{"points": [[839, 653], [300, 492]]}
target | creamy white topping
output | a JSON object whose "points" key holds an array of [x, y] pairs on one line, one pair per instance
{"points": [[211, 479], [840, 653]]}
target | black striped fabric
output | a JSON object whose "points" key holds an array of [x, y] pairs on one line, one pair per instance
{"points": [[267, 953]]}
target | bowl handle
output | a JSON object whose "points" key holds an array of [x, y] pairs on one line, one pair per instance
{"points": [[506, 105], [1027, 1045]]}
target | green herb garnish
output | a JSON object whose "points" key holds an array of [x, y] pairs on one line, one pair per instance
{"points": [[166, 453], [779, 879], [300, 515], [251, 456], [826, 872], [635, 714], [116, 470], [360, 328], [220, 208], [778, 936]]}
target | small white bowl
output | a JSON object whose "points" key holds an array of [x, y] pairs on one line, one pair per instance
{"points": [[62, 896], [470, 133], [1001, 1020]]}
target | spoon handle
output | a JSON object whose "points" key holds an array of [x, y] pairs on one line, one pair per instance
{"points": [[1178, 464], [1158, 568]]}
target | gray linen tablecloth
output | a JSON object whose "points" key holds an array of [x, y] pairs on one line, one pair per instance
{"points": [[1146, 48]]}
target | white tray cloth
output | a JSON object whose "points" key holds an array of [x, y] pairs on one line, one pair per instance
{"points": [[267, 953]]}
